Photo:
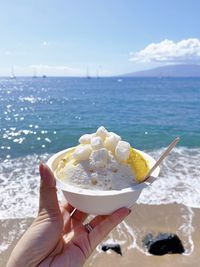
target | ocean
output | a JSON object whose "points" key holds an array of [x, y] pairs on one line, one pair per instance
{"points": [[41, 116]]}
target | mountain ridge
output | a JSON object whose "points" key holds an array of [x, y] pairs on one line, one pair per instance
{"points": [[179, 70]]}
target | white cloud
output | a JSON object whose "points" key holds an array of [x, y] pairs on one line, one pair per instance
{"points": [[184, 51]]}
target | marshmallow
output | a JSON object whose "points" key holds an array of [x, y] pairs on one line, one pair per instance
{"points": [[111, 141], [99, 157], [122, 151], [116, 135], [102, 132], [96, 142], [82, 152], [85, 139]]}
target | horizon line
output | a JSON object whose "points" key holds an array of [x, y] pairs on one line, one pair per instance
{"points": [[125, 76]]}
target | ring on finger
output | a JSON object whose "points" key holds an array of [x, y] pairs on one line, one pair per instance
{"points": [[88, 228]]}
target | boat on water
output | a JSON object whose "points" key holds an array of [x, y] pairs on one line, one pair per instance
{"points": [[12, 76], [87, 74], [34, 73]]}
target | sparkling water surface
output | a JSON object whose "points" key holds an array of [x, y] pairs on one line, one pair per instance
{"points": [[47, 115], [39, 117]]}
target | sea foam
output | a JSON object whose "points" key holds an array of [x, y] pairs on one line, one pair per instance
{"points": [[178, 183]]}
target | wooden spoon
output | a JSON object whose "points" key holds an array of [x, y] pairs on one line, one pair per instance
{"points": [[163, 156]]}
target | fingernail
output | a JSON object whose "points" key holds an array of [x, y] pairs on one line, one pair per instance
{"points": [[128, 211], [124, 211]]}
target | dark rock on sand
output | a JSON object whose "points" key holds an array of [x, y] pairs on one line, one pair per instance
{"points": [[114, 247], [163, 244]]}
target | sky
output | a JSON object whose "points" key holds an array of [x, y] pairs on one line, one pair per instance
{"points": [[109, 37]]}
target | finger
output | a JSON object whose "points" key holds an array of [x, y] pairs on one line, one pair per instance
{"points": [[48, 196], [79, 215], [71, 216], [76, 218], [97, 220], [66, 210], [66, 219], [102, 225], [67, 206], [74, 213]]}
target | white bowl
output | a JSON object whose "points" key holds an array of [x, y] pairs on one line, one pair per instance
{"points": [[98, 201]]}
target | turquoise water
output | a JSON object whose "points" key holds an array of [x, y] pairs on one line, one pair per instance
{"points": [[47, 115], [41, 116]]}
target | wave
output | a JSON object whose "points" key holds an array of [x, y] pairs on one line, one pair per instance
{"points": [[178, 183]]}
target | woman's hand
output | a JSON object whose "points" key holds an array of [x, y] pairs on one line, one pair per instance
{"points": [[57, 237]]}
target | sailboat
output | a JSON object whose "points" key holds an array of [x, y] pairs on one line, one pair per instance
{"points": [[12, 76], [34, 73], [87, 74]]}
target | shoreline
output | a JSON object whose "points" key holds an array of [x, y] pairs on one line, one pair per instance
{"points": [[155, 219], [144, 219]]}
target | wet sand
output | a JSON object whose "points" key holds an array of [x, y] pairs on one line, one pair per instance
{"points": [[144, 219]]}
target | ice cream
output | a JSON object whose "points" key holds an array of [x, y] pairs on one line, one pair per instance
{"points": [[102, 161]]}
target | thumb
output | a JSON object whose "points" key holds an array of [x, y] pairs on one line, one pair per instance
{"points": [[48, 196]]}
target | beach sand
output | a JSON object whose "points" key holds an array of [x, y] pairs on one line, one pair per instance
{"points": [[144, 219]]}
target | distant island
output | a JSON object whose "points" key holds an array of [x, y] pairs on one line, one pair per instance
{"points": [[181, 70]]}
